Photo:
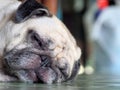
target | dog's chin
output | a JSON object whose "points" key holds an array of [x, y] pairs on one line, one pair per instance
{"points": [[30, 67], [43, 75], [39, 75], [6, 78]]}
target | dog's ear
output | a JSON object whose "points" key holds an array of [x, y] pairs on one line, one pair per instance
{"points": [[29, 9]]}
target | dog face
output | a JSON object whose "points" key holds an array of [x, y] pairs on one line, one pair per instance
{"points": [[37, 47]]}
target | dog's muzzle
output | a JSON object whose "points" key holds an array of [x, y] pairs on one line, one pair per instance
{"points": [[33, 65], [39, 62]]}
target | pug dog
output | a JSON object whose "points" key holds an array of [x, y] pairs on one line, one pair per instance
{"points": [[35, 46]]}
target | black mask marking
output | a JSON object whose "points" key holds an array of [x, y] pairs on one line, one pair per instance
{"points": [[28, 9], [75, 70]]}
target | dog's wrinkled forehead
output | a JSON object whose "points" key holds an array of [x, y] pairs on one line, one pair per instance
{"points": [[29, 9]]}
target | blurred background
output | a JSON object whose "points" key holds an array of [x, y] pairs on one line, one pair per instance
{"points": [[95, 25]]}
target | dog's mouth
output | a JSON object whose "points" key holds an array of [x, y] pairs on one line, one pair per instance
{"points": [[33, 65]]}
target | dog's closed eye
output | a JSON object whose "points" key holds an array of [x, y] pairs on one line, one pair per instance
{"points": [[34, 38]]}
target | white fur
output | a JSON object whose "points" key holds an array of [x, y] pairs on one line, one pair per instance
{"points": [[46, 27]]}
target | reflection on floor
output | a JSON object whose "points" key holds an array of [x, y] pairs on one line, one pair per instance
{"points": [[82, 82]]}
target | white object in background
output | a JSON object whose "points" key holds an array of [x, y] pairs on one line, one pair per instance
{"points": [[78, 5], [106, 37]]}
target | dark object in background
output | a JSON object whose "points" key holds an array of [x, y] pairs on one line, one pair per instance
{"points": [[75, 23], [112, 2]]}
